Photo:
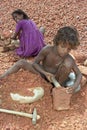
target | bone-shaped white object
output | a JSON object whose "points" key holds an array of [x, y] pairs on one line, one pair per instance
{"points": [[38, 93]]}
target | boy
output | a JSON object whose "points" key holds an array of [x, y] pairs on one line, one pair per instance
{"points": [[55, 61]]}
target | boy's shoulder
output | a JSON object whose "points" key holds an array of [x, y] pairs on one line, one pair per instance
{"points": [[47, 47]]}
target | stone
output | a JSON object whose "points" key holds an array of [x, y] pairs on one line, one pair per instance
{"points": [[6, 34], [83, 69], [85, 62], [0, 101], [1, 49], [61, 99], [83, 81]]}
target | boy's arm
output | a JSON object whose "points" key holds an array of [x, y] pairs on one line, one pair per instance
{"points": [[78, 75], [38, 63]]}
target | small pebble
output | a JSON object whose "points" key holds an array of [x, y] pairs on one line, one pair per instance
{"points": [[77, 17], [86, 28]]}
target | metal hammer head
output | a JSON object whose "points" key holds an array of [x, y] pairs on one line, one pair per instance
{"points": [[34, 116]]}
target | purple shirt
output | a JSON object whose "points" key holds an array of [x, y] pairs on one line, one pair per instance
{"points": [[31, 39]]}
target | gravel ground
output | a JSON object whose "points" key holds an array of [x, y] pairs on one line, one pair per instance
{"points": [[52, 14]]}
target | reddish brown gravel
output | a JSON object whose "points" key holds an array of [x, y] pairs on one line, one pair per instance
{"points": [[52, 14]]}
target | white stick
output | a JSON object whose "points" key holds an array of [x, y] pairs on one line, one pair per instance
{"points": [[18, 113]]}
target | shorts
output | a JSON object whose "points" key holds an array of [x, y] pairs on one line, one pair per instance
{"points": [[71, 81]]}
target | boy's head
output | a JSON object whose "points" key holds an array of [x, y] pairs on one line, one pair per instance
{"points": [[67, 35], [19, 15]]}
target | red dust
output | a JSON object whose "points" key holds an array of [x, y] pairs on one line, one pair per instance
{"points": [[52, 15]]}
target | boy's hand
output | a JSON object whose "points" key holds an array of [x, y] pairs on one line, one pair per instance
{"points": [[70, 89], [49, 76]]}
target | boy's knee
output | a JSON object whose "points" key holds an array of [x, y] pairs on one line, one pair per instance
{"points": [[67, 64]]}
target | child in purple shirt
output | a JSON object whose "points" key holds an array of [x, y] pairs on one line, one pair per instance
{"points": [[31, 39]]}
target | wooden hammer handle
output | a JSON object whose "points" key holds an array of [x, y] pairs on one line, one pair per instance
{"points": [[19, 113], [55, 82]]}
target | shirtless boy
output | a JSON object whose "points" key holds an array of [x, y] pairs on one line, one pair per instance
{"points": [[54, 60]]}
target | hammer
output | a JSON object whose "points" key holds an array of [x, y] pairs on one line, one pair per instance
{"points": [[33, 116], [55, 82]]}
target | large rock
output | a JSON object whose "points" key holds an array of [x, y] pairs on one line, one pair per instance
{"points": [[61, 99], [83, 81], [83, 69], [85, 62]]}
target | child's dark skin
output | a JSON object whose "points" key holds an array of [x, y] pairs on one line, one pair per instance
{"points": [[57, 64], [54, 61], [16, 18]]}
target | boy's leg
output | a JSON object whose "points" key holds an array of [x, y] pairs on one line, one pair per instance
{"points": [[70, 83], [63, 71], [18, 65], [62, 74], [65, 76]]}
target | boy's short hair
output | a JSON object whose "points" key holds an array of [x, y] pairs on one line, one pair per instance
{"points": [[67, 35]]}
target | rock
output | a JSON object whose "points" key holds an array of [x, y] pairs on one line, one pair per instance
{"points": [[77, 17], [1, 49], [6, 34], [5, 49], [86, 28], [85, 62], [83, 81], [85, 114], [83, 69], [61, 99]]}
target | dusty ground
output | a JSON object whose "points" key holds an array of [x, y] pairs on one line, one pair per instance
{"points": [[51, 14]]}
